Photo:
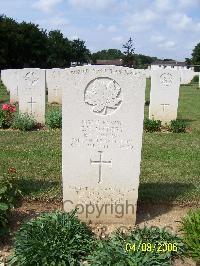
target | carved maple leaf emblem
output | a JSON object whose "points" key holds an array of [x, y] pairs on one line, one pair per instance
{"points": [[103, 94], [31, 78]]}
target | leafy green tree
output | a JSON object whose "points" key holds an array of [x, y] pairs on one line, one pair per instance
{"points": [[32, 50], [21, 44], [59, 50], [129, 58], [8, 42], [196, 56], [188, 61], [143, 61], [109, 54], [80, 53]]}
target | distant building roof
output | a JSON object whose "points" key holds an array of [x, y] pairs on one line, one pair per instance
{"points": [[115, 62], [169, 63]]}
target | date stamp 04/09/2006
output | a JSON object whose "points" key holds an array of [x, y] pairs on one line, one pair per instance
{"points": [[149, 247]]}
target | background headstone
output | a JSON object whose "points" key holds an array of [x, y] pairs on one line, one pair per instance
{"points": [[5, 75], [54, 85], [186, 76], [32, 93], [164, 95], [13, 85], [103, 111]]}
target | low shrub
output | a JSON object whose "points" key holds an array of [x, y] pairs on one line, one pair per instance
{"points": [[141, 247], [54, 119], [178, 126], [52, 239], [24, 122], [147, 103], [190, 227], [195, 79], [9, 199], [7, 115], [152, 125]]}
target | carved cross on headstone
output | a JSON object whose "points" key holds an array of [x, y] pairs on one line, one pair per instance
{"points": [[164, 105], [100, 163], [31, 102]]}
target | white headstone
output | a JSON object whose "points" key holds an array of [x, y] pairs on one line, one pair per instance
{"points": [[32, 93], [164, 95], [54, 85], [5, 75], [13, 85], [186, 76], [9, 78], [103, 110]]}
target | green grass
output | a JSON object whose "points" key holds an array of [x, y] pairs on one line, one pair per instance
{"points": [[170, 168]]}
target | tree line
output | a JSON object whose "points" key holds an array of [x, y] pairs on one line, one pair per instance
{"points": [[130, 59], [26, 45]]}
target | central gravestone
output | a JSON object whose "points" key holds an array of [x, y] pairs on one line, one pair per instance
{"points": [[103, 111]]}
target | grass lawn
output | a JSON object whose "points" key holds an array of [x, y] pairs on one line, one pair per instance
{"points": [[170, 168]]}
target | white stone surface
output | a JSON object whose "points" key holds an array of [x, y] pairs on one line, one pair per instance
{"points": [[14, 85], [5, 74], [54, 85], [32, 93], [164, 95], [186, 76], [9, 78], [103, 111]]}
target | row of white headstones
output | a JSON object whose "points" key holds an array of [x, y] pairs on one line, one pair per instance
{"points": [[27, 86], [102, 126]]}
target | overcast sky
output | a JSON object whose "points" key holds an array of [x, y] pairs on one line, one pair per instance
{"points": [[162, 28]]}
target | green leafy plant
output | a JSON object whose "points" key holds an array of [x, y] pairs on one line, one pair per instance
{"points": [[178, 126], [152, 125], [147, 102], [7, 115], [190, 227], [24, 122], [195, 79], [9, 199], [52, 239], [147, 248], [54, 119]]}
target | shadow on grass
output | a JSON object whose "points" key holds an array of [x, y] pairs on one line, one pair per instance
{"points": [[158, 198], [30, 187]]}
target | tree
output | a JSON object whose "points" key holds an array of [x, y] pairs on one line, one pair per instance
{"points": [[21, 44], [26, 45], [129, 58], [80, 54], [196, 56], [8, 42], [32, 50], [110, 54], [143, 61], [188, 61], [59, 50]]}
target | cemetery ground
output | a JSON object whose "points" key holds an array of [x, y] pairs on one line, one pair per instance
{"points": [[170, 168]]}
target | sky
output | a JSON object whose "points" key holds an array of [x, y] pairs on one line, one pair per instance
{"points": [[162, 28]]}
